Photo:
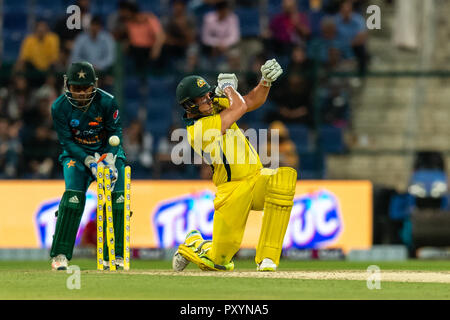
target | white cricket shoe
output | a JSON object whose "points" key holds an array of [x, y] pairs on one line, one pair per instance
{"points": [[179, 263], [60, 262], [119, 262], [266, 265]]}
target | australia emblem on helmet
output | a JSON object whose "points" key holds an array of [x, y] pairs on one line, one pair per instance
{"points": [[200, 83]]}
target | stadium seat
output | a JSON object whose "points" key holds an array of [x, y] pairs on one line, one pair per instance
{"points": [[15, 6], [312, 166], [15, 21], [132, 85], [153, 6], [248, 21], [331, 139], [161, 86], [299, 134], [12, 41]]}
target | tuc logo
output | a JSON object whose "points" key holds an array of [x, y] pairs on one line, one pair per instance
{"points": [[175, 218], [315, 221]]}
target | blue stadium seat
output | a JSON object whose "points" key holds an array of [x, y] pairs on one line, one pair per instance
{"points": [[312, 166], [299, 134], [161, 86], [15, 21], [12, 41], [132, 85], [15, 6], [49, 9], [131, 109], [249, 21], [153, 6], [331, 139]]}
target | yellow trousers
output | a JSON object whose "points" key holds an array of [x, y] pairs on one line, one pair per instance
{"points": [[232, 204]]}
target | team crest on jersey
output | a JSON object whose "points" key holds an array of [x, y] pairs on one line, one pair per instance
{"points": [[200, 82], [74, 123]]}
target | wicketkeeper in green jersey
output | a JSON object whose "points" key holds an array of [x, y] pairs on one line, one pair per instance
{"points": [[85, 117]]}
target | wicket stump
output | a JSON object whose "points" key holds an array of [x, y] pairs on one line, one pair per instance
{"points": [[104, 201]]}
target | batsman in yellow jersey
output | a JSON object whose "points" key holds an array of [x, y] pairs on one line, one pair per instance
{"points": [[242, 182]]}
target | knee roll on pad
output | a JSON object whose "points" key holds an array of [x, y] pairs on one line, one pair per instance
{"points": [[281, 187]]}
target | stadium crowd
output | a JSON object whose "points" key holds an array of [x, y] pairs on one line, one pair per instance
{"points": [[310, 39]]}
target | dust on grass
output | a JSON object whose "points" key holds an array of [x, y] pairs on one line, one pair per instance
{"points": [[388, 275]]}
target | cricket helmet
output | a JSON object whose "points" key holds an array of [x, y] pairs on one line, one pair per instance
{"points": [[188, 89], [80, 74]]}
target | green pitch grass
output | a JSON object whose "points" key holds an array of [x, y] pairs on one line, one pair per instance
{"points": [[35, 280]]}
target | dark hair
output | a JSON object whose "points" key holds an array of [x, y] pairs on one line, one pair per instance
{"points": [[222, 4], [97, 20]]}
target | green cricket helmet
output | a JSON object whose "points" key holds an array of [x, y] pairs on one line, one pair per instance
{"points": [[80, 74], [192, 87]]}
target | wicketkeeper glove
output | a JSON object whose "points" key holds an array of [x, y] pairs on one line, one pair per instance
{"points": [[91, 163], [109, 160], [270, 70], [225, 80]]}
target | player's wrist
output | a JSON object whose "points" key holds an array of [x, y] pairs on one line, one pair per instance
{"points": [[265, 82]]}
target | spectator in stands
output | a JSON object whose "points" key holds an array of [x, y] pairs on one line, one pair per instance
{"points": [[40, 153], [180, 28], [10, 148], [288, 28], [351, 29], [117, 21], [138, 146], [164, 166], [145, 38], [95, 45], [320, 49], [220, 33], [67, 36], [38, 53], [300, 63], [293, 100], [287, 151], [39, 112], [16, 97]]}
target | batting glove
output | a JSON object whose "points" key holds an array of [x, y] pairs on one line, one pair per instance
{"points": [[270, 70], [226, 80]]}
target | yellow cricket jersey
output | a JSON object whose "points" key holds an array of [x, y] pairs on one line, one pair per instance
{"points": [[231, 155]]}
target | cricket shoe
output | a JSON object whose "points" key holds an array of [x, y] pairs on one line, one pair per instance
{"points": [[60, 262], [194, 249], [267, 265], [179, 263], [119, 264]]}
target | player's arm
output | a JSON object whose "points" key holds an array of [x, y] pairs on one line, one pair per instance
{"points": [[256, 97], [270, 71], [237, 108], [65, 136]]}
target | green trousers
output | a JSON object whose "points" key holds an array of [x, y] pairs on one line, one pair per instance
{"points": [[77, 179]]}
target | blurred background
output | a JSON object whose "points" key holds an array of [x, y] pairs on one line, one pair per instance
{"points": [[352, 104]]}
